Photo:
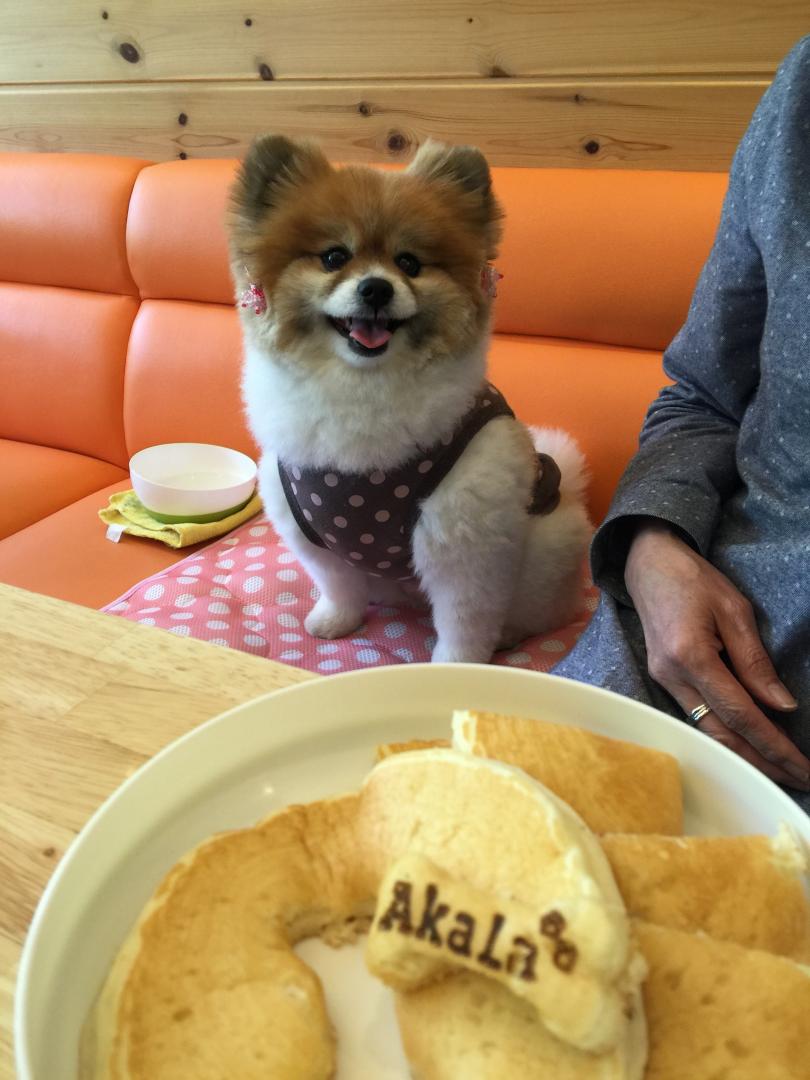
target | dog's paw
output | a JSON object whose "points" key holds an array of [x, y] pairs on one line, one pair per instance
{"points": [[327, 620]]}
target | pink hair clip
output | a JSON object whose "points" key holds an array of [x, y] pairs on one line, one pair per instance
{"points": [[489, 280], [253, 296]]}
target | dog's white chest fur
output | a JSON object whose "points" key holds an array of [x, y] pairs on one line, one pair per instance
{"points": [[353, 420]]}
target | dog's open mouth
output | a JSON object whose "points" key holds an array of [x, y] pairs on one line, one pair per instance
{"points": [[368, 337]]}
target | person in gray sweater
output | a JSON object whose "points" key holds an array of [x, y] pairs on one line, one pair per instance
{"points": [[704, 557]]}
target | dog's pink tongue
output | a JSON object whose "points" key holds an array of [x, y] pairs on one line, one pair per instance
{"points": [[368, 333]]}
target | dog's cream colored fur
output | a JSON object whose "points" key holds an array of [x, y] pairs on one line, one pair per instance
{"points": [[491, 574]]}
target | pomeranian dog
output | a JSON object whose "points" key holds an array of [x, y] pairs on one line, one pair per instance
{"points": [[389, 465]]}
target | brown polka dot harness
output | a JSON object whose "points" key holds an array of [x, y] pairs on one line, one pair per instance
{"points": [[368, 518]]}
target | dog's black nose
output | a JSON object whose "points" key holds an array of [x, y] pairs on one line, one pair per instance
{"points": [[375, 291]]}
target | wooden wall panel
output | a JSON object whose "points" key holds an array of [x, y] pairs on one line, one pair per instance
{"points": [[72, 41], [629, 124], [602, 83]]}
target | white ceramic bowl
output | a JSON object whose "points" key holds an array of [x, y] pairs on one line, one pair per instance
{"points": [[311, 741], [192, 481]]}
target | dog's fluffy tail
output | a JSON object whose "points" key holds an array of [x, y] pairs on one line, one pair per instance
{"points": [[562, 447]]}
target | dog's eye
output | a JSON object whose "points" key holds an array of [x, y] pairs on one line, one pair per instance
{"points": [[335, 258], [408, 264]]}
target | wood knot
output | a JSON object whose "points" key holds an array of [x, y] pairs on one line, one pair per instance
{"points": [[364, 108], [182, 119], [592, 147], [49, 852], [182, 155], [248, 22], [129, 52], [396, 142], [266, 72], [497, 72], [105, 14]]}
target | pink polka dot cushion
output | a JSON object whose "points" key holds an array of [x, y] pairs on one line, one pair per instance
{"points": [[246, 591]]}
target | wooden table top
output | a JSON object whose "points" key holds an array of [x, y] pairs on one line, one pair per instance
{"points": [[85, 699]]}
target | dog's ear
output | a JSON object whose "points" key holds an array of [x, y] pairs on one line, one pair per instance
{"points": [[464, 165], [274, 164], [465, 168]]}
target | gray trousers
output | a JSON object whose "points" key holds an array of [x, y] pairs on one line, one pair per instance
{"points": [[612, 654]]}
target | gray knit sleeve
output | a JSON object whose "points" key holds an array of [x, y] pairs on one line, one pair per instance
{"points": [[685, 467]]}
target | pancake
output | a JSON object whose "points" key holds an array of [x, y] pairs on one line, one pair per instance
{"points": [[469, 1027], [744, 889], [454, 815], [385, 750], [614, 786], [207, 983], [715, 1011], [725, 1010]]}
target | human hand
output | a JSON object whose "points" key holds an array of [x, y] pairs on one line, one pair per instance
{"points": [[690, 612]]}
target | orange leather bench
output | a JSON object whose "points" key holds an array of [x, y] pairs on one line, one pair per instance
{"points": [[117, 331]]}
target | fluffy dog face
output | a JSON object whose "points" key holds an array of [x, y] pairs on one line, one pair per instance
{"points": [[363, 267]]}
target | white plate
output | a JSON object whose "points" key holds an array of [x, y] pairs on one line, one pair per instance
{"points": [[302, 743]]}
